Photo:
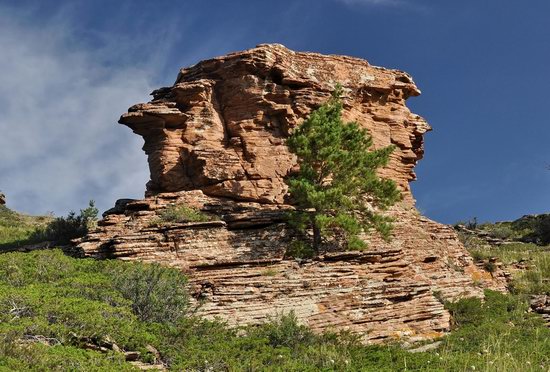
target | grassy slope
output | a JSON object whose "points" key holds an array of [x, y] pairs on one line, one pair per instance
{"points": [[76, 305], [536, 257], [17, 229], [45, 294]]}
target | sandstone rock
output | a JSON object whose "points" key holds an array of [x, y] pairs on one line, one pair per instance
{"points": [[215, 142], [491, 274], [221, 127], [541, 305]]}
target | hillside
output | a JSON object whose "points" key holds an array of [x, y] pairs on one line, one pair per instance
{"points": [[61, 313], [17, 230], [520, 249]]}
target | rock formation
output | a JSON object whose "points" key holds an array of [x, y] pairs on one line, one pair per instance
{"points": [[541, 304], [215, 141]]}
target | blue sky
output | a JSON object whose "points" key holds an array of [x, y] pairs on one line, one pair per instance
{"points": [[68, 69]]}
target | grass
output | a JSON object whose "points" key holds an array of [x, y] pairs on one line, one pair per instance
{"points": [[269, 272], [527, 229], [178, 213], [496, 335], [19, 229], [535, 279], [74, 302]]}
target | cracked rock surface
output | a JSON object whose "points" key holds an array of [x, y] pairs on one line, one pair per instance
{"points": [[215, 142]]}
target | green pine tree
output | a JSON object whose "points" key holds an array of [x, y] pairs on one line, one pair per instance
{"points": [[337, 190]]}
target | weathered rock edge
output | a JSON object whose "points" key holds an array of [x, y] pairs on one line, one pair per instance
{"points": [[215, 141]]}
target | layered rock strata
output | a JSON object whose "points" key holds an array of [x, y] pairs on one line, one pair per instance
{"points": [[221, 127], [215, 141], [540, 304]]}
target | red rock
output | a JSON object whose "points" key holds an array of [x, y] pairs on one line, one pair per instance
{"points": [[215, 141], [221, 127]]}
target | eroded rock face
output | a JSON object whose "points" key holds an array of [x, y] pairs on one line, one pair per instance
{"points": [[215, 142], [221, 127]]}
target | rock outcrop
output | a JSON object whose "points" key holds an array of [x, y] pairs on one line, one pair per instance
{"points": [[221, 127], [540, 304], [215, 141]]}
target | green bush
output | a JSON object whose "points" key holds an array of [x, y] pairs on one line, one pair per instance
{"points": [[535, 229], [157, 294], [284, 331], [63, 229], [543, 230], [501, 231], [490, 266], [299, 249], [472, 224], [480, 255]]}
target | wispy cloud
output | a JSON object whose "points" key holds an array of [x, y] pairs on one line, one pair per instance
{"points": [[59, 142]]}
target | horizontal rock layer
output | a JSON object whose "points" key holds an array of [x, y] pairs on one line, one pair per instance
{"points": [[238, 270]]}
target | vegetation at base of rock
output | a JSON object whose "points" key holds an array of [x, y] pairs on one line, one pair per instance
{"points": [[55, 310], [156, 294], [497, 334], [337, 190], [180, 213], [45, 294]]}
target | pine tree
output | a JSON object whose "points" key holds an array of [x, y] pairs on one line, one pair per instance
{"points": [[337, 190]]}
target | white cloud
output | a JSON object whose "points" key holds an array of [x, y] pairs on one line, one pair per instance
{"points": [[59, 102]]}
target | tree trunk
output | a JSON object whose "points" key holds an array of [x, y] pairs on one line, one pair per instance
{"points": [[316, 234]]}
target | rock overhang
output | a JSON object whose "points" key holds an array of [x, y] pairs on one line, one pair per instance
{"points": [[239, 108]]}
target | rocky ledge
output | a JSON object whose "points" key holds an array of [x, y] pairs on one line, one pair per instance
{"points": [[215, 142]]}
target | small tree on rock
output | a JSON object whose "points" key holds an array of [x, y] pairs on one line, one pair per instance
{"points": [[337, 189]]}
